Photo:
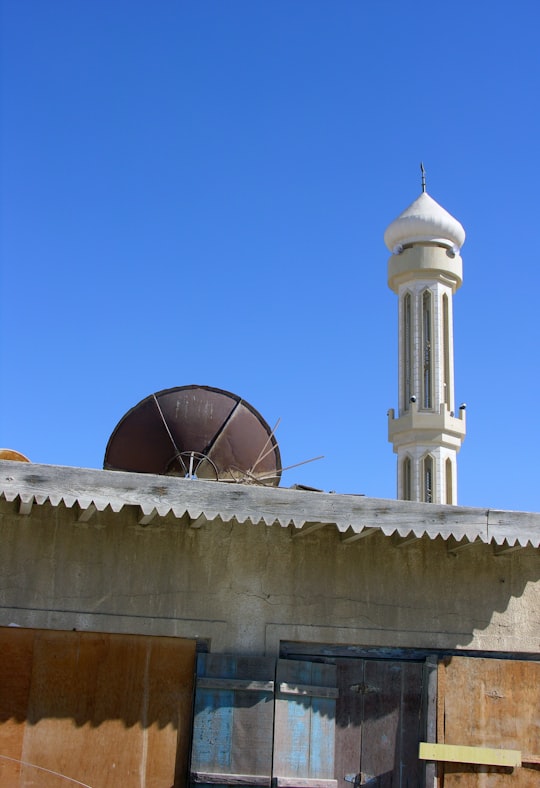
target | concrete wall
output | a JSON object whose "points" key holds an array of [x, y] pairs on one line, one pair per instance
{"points": [[246, 587]]}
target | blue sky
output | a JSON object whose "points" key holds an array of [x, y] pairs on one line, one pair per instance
{"points": [[196, 192]]}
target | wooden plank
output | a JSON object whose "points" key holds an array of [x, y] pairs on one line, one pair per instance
{"points": [[391, 724], [441, 694], [304, 728], [349, 714], [454, 547], [308, 528], [212, 778], [307, 689], [429, 713], [459, 753], [309, 651], [298, 782], [235, 684], [492, 703], [212, 727], [232, 733], [355, 536], [292, 726], [169, 709], [87, 513], [441, 691], [381, 715], [509, 525], [25, 505], [506, 548], [405, 541], [323, 716], [411, 723], [146, 519]]}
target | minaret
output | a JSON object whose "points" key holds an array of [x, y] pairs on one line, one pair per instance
{"points": [[425, 270]]}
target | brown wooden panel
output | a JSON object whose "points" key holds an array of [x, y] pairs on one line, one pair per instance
{"points": [[391, 726], [87, 694], [378, 722], [491, 703], [411, 725], [349, 710], [16, 654], [170, 701], [104, 710]]}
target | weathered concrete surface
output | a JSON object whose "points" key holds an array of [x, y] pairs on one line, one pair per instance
{"points": [[246, 587]]}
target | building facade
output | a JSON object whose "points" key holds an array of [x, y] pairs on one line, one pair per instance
{"points": [[318, 623]]}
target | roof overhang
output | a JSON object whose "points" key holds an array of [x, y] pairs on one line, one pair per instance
{"points": [[354, 516]]}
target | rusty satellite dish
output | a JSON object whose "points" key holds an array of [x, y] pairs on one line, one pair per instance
{"points": [[196, 432]]}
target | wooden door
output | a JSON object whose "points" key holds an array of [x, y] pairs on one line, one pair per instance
{"points": [[234, 714], [84, 708], [379, 723], [490, 703], [258, 723], [304, 729]]}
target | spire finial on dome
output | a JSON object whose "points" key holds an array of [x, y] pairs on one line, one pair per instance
{"points": [[422, 170]]}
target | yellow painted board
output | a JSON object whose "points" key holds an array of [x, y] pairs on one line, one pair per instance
{"points": [[457, 753]]}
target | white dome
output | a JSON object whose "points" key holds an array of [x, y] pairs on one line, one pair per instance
{"points": [[424, 220]]}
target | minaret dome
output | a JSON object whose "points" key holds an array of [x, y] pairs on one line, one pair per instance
{"points": [[424, 221]]}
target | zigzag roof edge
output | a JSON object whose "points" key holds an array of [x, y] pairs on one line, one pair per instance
{"points": [[257, 504]]}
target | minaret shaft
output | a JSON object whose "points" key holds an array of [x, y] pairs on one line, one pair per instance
{"points": [[426, 359]]}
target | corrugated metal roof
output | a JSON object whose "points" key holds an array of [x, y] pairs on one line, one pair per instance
{"points": [[354, 516]]}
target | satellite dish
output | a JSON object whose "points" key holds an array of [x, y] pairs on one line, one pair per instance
{"points": [[196, 432]]}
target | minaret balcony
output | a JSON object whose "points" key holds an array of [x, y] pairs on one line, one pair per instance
{"points": [[418, 426], [425, 262]]}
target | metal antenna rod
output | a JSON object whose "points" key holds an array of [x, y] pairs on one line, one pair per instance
{"points": [[169, 433], [422, 170], [262, 453], [296, 465]]}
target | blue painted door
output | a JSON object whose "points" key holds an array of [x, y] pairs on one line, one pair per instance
{"points": [[234, 713], [258, 722], [304, 727]]}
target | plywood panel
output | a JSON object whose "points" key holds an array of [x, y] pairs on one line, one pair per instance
{"points": [[491, 703], [169, 713], [103, 709], [16, 654]]}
